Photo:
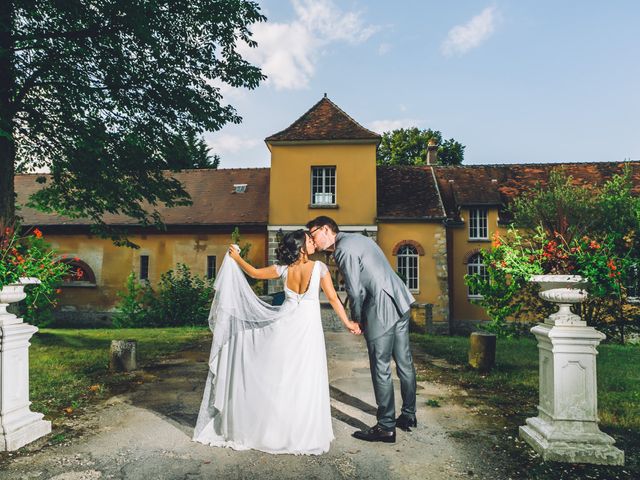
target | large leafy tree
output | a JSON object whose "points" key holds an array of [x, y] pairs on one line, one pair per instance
{"points": [[409, 146], [95, 90]]}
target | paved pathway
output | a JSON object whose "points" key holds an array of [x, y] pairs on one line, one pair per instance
{"points": [[145, 434]]}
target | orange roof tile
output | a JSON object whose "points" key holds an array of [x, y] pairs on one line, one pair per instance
{"points": [[324, 121]]}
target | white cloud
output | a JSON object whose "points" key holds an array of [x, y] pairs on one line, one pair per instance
{"points": [[384, 48], [288, 52], [221, 143], [472, 34], [381, 126]]}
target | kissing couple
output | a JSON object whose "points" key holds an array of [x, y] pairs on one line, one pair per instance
{"points": [[267, 387]]}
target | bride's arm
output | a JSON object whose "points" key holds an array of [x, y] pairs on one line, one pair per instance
{"points": [[327, 287], [266, 273]]}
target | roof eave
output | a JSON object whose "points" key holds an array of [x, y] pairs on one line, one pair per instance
{"points": [[357, 141]]}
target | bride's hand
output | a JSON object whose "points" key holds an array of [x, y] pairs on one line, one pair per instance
{"points": [[353, 327], [234, 252]]}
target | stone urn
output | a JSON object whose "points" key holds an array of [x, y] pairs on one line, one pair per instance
{"points": [[13, 293], [18, 424], [566, 428]]}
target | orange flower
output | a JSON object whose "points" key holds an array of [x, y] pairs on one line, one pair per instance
{"points": [[58, 291], [37, 233]]}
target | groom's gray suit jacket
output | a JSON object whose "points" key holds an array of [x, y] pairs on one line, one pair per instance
{"points": [[377, 295]]}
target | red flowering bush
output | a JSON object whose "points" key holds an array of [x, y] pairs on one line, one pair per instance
{"points": [[27, 254], [513, 259]]}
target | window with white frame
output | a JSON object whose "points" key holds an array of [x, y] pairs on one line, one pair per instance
{"points": [[476, 265], [408, 265], [478, 224], [323, 185]]}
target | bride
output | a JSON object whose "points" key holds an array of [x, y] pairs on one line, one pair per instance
{"points": [[268, 387]]}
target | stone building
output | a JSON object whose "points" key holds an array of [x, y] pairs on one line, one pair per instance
{"points": [[431, 221]]}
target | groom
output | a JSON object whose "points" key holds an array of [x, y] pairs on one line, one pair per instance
{"points": [[380, 302]]}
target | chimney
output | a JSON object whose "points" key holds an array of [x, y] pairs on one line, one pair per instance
{"points": [[432, 152]]}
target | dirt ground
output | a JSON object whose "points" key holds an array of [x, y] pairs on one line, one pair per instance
{"points": [[146, 433]]}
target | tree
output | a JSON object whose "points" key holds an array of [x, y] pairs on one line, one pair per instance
{"points": [[409, 146], [559, 206], [187, 150], [95, 91]]}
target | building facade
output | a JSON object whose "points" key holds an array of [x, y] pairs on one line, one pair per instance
{"points": [[431, 221]]}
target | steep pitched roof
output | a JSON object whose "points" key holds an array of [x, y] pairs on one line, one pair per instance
{"points": [[324, 121], [499, 184], [408, 193], [212, 192]]}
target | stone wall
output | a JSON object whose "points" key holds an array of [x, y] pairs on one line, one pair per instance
{"points": [[441, 307]]}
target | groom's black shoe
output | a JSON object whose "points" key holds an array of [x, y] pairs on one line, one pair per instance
{"points": [[376, 434], [404, 422]]}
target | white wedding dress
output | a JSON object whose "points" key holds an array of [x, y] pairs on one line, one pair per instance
{"points": [[268, 386]]}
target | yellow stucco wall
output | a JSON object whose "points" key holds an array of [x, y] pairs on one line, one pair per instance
{"points": [[463, 309], [290, 183], [111, 265], [390, 234]]}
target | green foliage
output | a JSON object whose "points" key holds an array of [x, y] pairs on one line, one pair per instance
{"points": [[507, 270], [408, 146], [29, 255], [180, 299], [450, 152], [558, 207], [134, 306], [96, 90], [187, 150], [569, 230]]}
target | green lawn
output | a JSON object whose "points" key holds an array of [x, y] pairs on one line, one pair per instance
{"points": [[513, 384], [69, 368]]}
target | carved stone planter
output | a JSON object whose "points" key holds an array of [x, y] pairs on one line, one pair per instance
{"points": [[566, 428], [18, 424]]}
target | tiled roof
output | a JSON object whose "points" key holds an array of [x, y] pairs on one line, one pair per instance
{"points": [[408, 193], [499, 184], [324, 121], [212, 193]]}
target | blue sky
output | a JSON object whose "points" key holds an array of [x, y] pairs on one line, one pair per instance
{"points": [[515, 81]]}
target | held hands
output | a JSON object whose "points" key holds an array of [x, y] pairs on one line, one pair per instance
{"points": [[353, 327]]}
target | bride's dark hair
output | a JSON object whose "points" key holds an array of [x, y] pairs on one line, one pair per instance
{"points": [[292, 243]]}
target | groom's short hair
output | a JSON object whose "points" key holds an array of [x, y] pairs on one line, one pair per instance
{"points": [[323, 220]]}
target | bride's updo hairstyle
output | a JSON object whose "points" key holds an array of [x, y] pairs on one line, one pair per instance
{"points": [[288, 250]]}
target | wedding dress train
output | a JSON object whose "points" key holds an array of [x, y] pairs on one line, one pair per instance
{"points": [[267, 387]]}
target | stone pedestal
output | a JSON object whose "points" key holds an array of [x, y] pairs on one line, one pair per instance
{"points": [[18, 424], [566, 428]]}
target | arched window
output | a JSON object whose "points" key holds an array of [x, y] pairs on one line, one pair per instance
{"points": [[80, 273], [475, 265], [408, 265]]}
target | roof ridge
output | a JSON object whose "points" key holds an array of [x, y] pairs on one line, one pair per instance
{"points": [[317, 122], [542, 164], [296, 120], [347, 115]]}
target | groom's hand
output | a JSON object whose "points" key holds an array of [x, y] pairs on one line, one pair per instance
{"points": [[354, 328]]}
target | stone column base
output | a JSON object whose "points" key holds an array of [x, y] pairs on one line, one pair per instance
{"points": [[31, 428], [552, 445]]}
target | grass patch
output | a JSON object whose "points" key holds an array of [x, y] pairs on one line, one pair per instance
{"points": [[70, 368], [510, 391], [513, 384]]}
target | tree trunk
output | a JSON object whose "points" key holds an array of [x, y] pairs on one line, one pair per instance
{"points": [[7, 92]]}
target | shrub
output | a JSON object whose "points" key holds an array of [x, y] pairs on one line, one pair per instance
{"points": [[181, 299]]}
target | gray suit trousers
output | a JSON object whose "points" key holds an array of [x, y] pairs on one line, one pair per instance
{"points": [[393, 344]]}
